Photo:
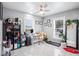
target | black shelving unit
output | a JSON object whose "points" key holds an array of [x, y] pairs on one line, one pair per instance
{"points": [[15, 40], [15, 32], [6, 34]]}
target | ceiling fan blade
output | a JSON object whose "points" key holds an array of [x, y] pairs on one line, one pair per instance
{"points": [[46, 10], [41, 6], [45, 5], [36, 12]]}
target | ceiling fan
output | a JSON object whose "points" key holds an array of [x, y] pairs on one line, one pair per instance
{"points": [[42, 9]]}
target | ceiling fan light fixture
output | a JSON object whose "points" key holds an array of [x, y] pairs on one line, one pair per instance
{"points": [[41, 12]]}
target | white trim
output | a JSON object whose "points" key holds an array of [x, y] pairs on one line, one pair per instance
{"points": [[59, 18]]}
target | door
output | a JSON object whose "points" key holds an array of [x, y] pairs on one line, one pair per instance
{"points": [[71, 33]]}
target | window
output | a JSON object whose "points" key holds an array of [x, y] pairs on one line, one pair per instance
{"points": [[59, 23], [28, 24], [59, 27]]}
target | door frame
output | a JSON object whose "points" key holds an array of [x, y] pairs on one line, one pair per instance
{"points": [[77, 40]]}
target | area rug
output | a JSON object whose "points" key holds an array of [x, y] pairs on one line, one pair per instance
{"points": [[54, 43], [71, 50]]}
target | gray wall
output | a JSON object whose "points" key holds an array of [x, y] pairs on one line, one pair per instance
{"points": [[12, 13], [71, 14], [23, 17]]}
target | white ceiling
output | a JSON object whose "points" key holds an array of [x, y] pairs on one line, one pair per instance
{"points": [[32, 7]]}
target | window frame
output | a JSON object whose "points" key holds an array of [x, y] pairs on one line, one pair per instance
{"points": [[63, 28]]}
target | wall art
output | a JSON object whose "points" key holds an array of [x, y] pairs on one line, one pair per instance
{"points": [[48, 21], [36, 22], [49, 24], [40, 23]]}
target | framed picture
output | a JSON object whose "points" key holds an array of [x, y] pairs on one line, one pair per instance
{"points": [[49, 24], [45, 24], [36, 22], [40, 23], [48, 21]]}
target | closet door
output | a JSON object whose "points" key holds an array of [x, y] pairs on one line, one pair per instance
{"points": [[71, 34], [1, 11]]}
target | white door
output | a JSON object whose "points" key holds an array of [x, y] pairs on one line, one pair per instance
{"points": [[71, 35]]}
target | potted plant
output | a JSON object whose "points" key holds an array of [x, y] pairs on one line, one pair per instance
{"points": [[69, 22], [64, 39]]}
